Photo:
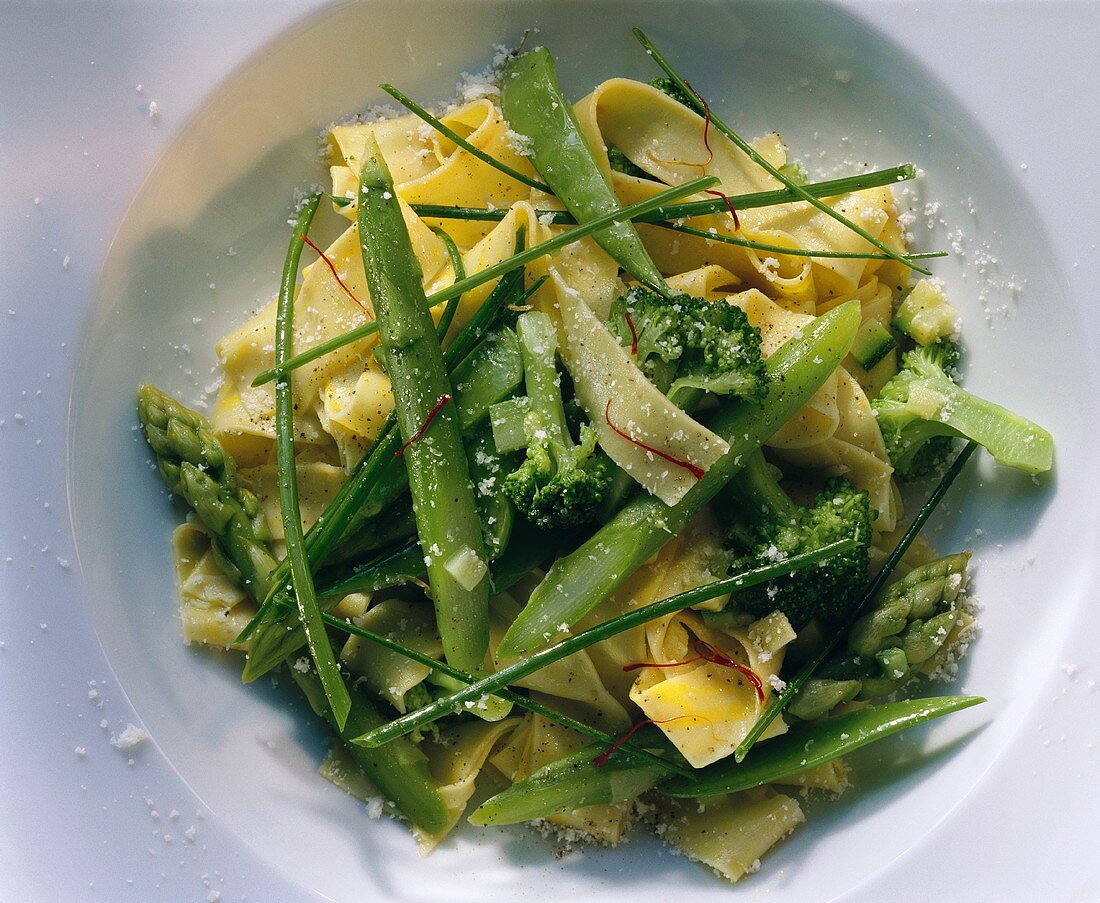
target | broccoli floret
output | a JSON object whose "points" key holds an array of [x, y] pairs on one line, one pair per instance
{"points": [[688, 346], [921, 411], [620, 162], [560, 483], [777, 528], [673, 90]]}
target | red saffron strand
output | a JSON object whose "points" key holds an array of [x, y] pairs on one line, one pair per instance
{"points": [[601, 760], [332, 269], [706, 652], [729, 205], [693, 469], [633, 334], [443, 399]]}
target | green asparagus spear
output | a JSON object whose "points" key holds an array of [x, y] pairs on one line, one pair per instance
{"points": [[908, 624], [439, 478], [196, 468], [185, 445], [578, 582], [534, 106], [309, 612]]}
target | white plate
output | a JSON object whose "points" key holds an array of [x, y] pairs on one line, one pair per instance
{"points": [[990, 800]]}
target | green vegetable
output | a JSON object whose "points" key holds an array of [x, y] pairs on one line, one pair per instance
{"points": [[688, 346], [453, 676], [825, 189], [534, 106], [439, 479], [727, 239], [783, 699], [569, 783], [487, 470], [695, 102], [921, 411], [184, 443], [626, 214], [909, 623], [309, 612], [814, 743], [462, 142], [400, 770], [532, 663], [377, 475], [560, 483], [925, 316], [577, 582], [777, 527], [873, 342], [195, 467]]}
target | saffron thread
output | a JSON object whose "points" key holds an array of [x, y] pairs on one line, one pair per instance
{"points": [[332, 269], [633, 334], [601, 760], [693, 469], [704, 651], [443, 399]]}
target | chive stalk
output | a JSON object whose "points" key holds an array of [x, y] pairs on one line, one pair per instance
{"points": [[309, 612], [499, 269], [450, 133], [750, 201], [755, 156], [639, 616]]}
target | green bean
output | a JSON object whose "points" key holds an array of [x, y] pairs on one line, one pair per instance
{"points": [[578, 582], [439, 478], [534, 106], [309, 612], [532, 663], [814, 743]]}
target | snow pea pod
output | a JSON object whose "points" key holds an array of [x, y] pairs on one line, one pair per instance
{"points": [[534, 106], [814, 743]]}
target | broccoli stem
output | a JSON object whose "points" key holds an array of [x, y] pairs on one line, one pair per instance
{"points": [[578, 582], [539, 347], [1012, 440], [758, 492]]}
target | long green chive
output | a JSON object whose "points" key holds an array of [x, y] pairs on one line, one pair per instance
{"points": [[301, 577], [792, 252], [753, 155], [750, 201], [414, 107], [612, 627], [459, 269], [518, 699], [497, 269], [333, 523], [779, 703]]}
